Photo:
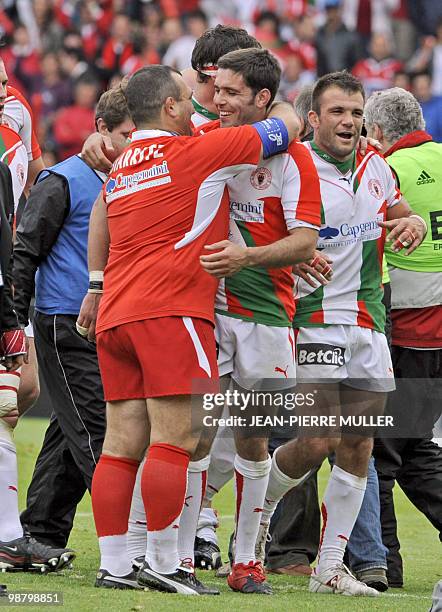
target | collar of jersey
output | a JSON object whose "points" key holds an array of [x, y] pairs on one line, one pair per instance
{"points": [[342, 166], [143, 134], [201, 110]]}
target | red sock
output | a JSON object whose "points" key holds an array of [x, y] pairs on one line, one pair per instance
{"points": [[163, 484], [112, 487]]}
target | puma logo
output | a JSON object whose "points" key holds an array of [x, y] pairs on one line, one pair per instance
{"points": [[189, 497], [277, 369]]}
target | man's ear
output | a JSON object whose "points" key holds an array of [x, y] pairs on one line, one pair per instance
{"points": [[376, 132], [170, 107], [262, 98], [313, 119], [102, 127]]}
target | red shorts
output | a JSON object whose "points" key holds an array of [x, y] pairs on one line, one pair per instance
{"points": [[158, 357]]}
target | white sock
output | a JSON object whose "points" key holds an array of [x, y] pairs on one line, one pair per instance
{"points": [[10, 526], [114, 557], [162, 549], [221, 470], [279, 485], [137, 532], [340, 508], [196, 485], [251, 484], [207, 525]]}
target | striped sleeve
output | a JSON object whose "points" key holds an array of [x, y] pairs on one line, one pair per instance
{"points": [[301, 194]]}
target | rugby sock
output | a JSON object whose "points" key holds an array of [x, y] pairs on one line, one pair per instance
{"points": [[207, 525], [340, 508], [112, 487], [221, 470], [251, 483], [279, 484], [196, 485], [10, 526], [163, 487], [137, 532]]}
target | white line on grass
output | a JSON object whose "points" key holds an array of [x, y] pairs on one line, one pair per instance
{"points": [[292, 587]]}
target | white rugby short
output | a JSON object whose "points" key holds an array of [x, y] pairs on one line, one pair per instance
{"points": [[356, 356], [251, 352]]}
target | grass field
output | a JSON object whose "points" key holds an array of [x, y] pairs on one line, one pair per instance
{"points": [[420, 548]]}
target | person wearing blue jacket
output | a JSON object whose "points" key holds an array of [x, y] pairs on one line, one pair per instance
{"points": [[51, 250]]}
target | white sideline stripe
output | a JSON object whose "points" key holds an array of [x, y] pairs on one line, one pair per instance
{"points": [[210, 194], [203, 362], [292, 587], [70, 392]]}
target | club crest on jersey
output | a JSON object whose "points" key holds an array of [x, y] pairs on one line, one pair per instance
{"points": [[375, 189], [21, 174], [261, 178]]}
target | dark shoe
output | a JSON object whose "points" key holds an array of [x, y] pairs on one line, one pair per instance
{"points": [[395, 579], [207, 554], [182, 581], [26, 554], [106, 580], [292, 570], [249, 579], [375, 578]]}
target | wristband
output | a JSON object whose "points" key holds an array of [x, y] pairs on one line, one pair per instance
{"points": [[96, 275], [422, 221], [274, 136], [95, 287], [83, 331]]}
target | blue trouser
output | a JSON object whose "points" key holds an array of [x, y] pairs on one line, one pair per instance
{"points": [[365, 548], [296, 534]]}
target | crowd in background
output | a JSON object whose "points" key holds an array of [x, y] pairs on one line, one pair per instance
{"points": [[63, 53]]}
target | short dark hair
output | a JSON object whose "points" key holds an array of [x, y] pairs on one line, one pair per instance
{"points": [[218, 41], [148, 89], [258, 67], [112, 108], [342, 79]]}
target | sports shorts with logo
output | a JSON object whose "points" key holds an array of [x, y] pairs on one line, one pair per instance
{"points": [[356, 356], [158, 357], [255, 354]]}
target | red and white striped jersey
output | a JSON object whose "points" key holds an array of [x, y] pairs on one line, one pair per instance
{"points": [[355, 196], [17, 115], [280, 195], [13, 154], [376, 75]]}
